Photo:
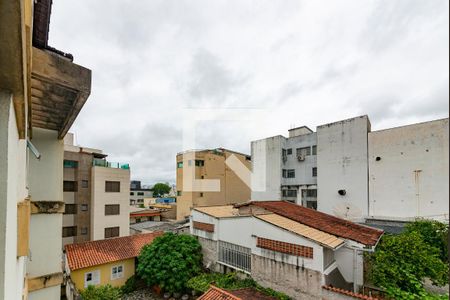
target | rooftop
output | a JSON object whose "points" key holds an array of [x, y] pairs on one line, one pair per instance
{"points": [[223, 211], [214, 293], [336, 226], [94, 253], [145, 213]]}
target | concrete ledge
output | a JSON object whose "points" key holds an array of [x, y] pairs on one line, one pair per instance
{"points": [[45, 281], [47, 207]]}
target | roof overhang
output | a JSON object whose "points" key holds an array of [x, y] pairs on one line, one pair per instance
{"points": [[13, 57], [59, 89]]}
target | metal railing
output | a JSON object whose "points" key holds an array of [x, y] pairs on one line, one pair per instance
{"points": [[107, 164]]}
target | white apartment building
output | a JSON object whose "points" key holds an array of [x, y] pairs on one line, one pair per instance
{"points": [[349, 171], [41, 93], [95, 195], [284, 246], [138, 193]]}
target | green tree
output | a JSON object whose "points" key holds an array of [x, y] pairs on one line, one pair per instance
{"points": [[160, 189], [402, 262], [102, 292], [170, 261], [434, 233]]}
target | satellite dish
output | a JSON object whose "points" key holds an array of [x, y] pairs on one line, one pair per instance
{"points": [[347, 211]]}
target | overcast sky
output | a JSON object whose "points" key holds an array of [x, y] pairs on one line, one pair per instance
{"points": [[280, 64]]}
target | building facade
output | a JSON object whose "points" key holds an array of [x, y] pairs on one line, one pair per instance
{"points": [[349, 171], [210, 180], [41, 93], [95, 195], [284, 246], [138, 193]]}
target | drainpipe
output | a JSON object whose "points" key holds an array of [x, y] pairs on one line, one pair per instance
{"points": [[355, 287]]}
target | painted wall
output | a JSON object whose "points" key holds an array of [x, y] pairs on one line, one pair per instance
{"points": [[411, 177], [12, 190], [100, 198], [266, 168], [342, 165], [45, 258], [77, 276]]}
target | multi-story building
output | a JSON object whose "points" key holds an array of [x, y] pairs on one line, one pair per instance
{"points": [[95, 195], [347, 170], [41, 93], [203, 169], [138, 193]]}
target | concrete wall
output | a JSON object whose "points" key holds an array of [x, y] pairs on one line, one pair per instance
{"points": [[100, 198], [46, 184], [411, 177], [266, 167], [342, 151], [12, 191]]}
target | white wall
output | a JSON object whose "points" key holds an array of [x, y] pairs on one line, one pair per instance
{"points": [[100, 198], [342, 164], [12, 191], [350, 264], [204, 218], [266, 167], [411, 179]]}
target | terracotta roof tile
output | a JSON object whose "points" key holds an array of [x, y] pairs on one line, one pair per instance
{"points": [[214, 293], [348, 293], [339, 227], [100, 252]]}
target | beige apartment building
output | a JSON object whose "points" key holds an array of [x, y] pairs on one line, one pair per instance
{"points": [[209, 165], [95, 195], [41, 93]]}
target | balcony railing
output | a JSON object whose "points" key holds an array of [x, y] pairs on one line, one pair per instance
{"points": [[107, 164]]}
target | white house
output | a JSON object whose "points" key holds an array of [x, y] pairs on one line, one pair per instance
{"points": [[284, 246]]}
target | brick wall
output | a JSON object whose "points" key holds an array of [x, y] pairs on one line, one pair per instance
{"points": [[278, 246], [203, 226]]}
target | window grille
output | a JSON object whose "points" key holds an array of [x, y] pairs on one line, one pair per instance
{"points": [[235, 256]]}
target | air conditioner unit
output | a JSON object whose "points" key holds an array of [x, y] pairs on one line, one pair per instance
{"points": [[301, 157]]}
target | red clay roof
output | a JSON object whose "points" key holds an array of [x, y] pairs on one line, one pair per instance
{"points": [[321, 221], [214, 293], [145, 213], [348, 293], [100, 252]]}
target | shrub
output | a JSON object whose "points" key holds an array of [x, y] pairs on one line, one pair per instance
{"points": [[102, 292], [434, 233], [130, 285], [170, 261], [402, 262]]}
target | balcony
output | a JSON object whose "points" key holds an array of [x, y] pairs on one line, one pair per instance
{"points": [[107, 164]]}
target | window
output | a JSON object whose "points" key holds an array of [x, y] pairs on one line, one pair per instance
{"points": [[116, 272], [70, 164], [69, 186], [84, 184], [69, 231], [140, 200], [309, 193], [199, 163], [138, 220], [311, 204], [112, 186], [111, 232], [235, 256], [290, 193], [314, 172], [91, 278], [84, 207], [180, 165], [70, 209], [289, 151], [314, 150], [140, 193], [132, 202], [304, 151], [178, 193], [201, 194], [112, 209], [131, 193], [291, 173], [83, 231]]}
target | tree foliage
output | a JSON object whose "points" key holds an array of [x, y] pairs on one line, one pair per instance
{"points": [[102, 292], [402, 262], [434, 233], [161, 189], [170, 261]]}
